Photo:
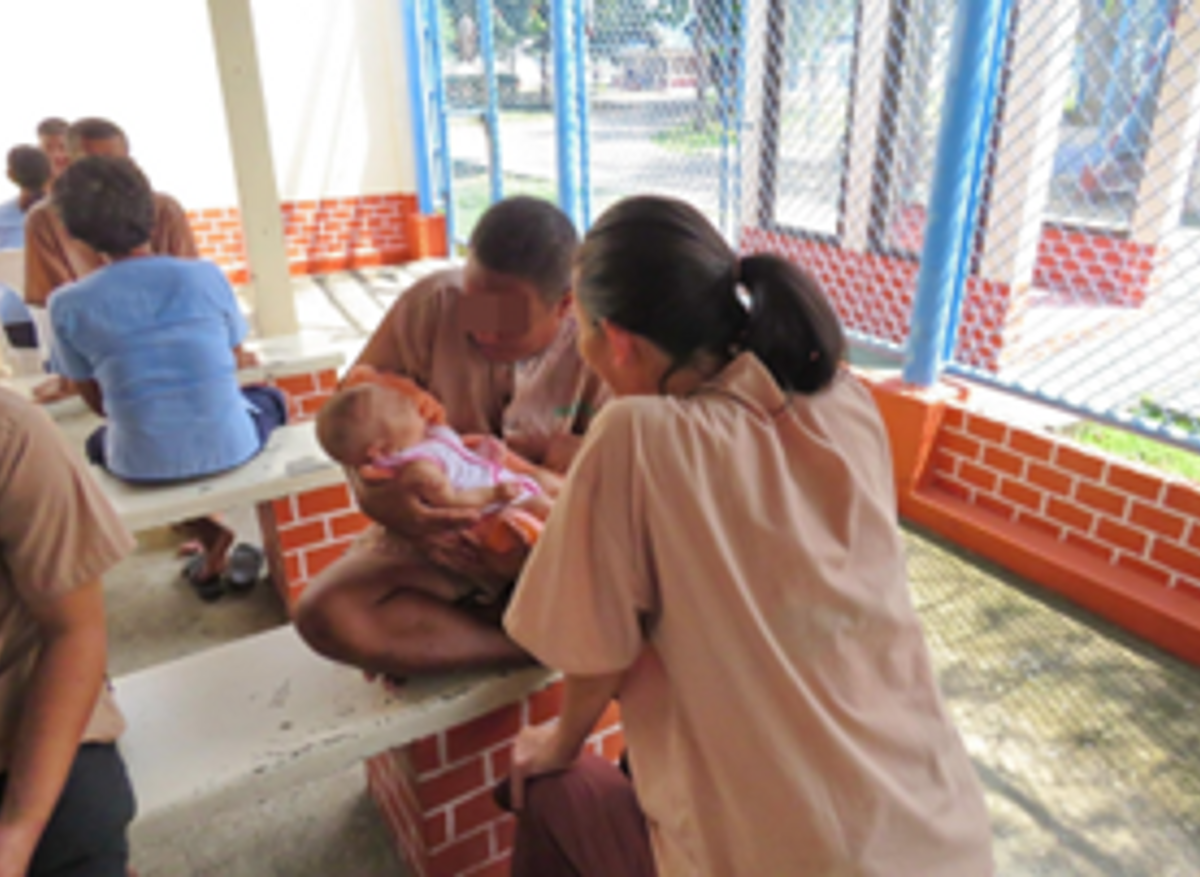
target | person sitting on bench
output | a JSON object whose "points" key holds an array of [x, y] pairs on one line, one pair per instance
{"points": [[154, 343], [495, 343], [65, 798]]}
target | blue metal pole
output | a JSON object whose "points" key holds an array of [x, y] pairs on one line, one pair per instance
{"points": [[487, 48], [565, 115], [976, 59], [419, 100], [583, 105], [743, 22], [438, 95]]}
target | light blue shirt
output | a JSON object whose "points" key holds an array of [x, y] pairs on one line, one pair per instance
{"points": [[157, 333], [12, 225]]}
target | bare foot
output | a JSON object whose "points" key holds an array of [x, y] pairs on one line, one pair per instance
{"points": [[215, 540]]}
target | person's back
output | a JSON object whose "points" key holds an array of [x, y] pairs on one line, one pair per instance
{"points": [[157, 333], [55, 257], [770, 521], [725, 558]]}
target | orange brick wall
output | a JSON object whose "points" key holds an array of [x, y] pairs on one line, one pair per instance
{"points": [[305, 533], [1131, 518], [436, 794], [331, 234]]}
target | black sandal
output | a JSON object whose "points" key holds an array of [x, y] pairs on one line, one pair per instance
{"points": [[243, 568], [208, 589]]}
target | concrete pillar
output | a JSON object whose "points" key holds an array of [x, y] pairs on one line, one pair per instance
{"points": [[1039, 76], [867, 100], [1174, 135], [254, 168], [754, 194]]}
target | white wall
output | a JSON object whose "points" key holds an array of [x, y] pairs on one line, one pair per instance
{"points": [[332, 71]]}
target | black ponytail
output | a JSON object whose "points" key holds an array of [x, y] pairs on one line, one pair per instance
{"points": [[793, 328], [657, 268]]}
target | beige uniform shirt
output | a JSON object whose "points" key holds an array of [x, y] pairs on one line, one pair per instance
{"points": [[737, 553], [526, 403], [57, 532], [54, 258]]}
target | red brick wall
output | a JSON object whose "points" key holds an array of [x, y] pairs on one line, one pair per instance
{"points": [[436, 794], [331, 234], [1131, 518], [874, 294], [1094, 268]]}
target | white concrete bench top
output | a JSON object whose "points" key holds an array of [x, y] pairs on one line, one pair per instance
{"points": [[248, 720], [291, 462], [279, 357]]}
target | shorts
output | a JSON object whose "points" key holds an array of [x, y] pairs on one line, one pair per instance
{"points": [[85, 836]]}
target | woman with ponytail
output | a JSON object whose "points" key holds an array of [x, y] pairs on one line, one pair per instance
{"points": [[725, 558]]}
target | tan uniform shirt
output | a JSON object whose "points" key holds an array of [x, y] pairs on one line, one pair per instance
{"points": [[54, 258], [57, 532], [526, 403], [737, 553]]}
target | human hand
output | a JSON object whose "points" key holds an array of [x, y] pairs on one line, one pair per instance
{"points": [[464, 553], [246, 358], [402, 510], [538, 750], [487, 446]]}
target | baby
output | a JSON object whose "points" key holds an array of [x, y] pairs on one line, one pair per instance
{"points": [[387, 427]]}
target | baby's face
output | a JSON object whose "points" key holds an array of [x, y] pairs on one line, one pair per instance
{"points": [[395, 424]]}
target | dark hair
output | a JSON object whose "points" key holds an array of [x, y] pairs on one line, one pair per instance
{"points": [[107, 203], [656, 267], [52, 127], [94, 129], [527, 238], [29, 168]]}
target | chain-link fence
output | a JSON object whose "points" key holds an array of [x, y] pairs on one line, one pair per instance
{"points": [[811, 127], [1087, 214], [1095, 154]]}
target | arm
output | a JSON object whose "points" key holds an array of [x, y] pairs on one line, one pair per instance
{"points": [[552, 747], [90, 391], [401, 510], [172, 231], [61, 696]]}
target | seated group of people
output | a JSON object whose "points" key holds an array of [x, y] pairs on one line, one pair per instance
{"points": [[638, 459]]}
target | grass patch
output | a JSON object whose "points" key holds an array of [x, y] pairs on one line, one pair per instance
{"points": [[472, 196], [688, 137], [1139, 448]]}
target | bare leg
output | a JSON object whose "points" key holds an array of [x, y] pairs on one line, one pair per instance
{"points": [[215, 540], [396, 620]]}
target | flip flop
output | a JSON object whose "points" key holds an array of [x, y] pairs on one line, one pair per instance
{"points": [[243, 568], [209, 589]]}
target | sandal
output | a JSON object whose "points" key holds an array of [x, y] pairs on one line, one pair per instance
{"points": [[243, 569], [208, 589]]}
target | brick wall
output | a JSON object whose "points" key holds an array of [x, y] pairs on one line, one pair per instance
{"points": [[331, 234], [435, 795], [874, 294], [1131, 518], [1094, 268]]}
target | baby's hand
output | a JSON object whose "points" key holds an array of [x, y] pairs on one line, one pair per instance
{"points": [[506, 492], [373, 474], [487, 446]]}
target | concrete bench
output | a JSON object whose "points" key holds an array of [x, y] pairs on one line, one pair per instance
{"points": [[305, 510], [255, 717], [250, 720], [304, 366]]}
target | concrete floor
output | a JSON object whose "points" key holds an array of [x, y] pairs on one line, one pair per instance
{"points": [[1086, 742]]}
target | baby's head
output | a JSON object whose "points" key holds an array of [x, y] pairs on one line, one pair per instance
{"points": [[361, 423]]}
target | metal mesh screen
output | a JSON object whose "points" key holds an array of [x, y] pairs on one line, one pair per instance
{"points": [[1092, 217], [520, 68], [664, 95]]}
